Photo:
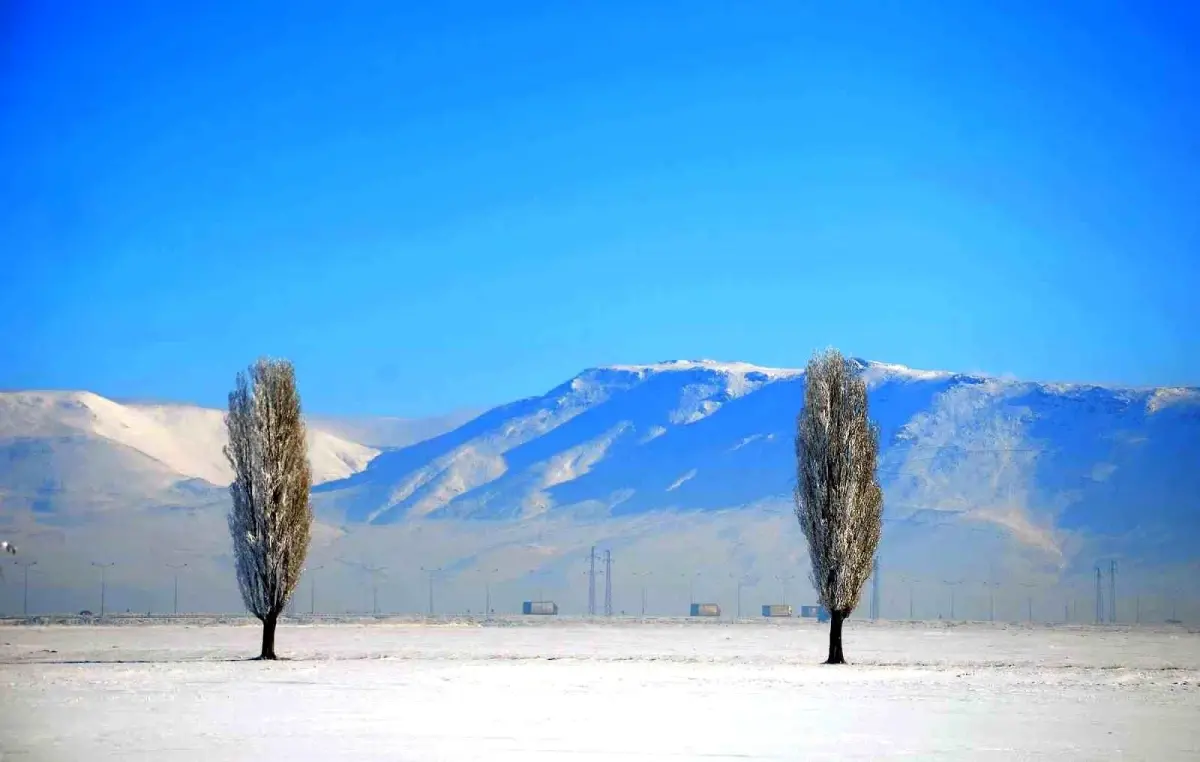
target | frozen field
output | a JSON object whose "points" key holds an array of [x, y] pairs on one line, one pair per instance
{"points": [[606, 690]]}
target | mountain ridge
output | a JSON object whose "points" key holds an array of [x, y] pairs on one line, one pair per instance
{"points": [[676, 466], [528, 456], [706, 435]]}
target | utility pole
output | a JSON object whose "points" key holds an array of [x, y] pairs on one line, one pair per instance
{"points": [[591, 609], [431, 572], [740, 581], [103, 582], [540, 575], [175, 599], [608, 583], [910, 582], [1029, 598], [25, 601], [374, 571], [487, 592], [312, 590], [953, 584], [642, 577], [1099, 599], [1112, 591]]}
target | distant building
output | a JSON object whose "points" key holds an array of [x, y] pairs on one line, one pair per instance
{"points": [[539, 608], [817, 612], [777, 610], [705, 609]]}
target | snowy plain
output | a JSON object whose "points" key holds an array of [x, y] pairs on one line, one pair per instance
{"points": [[520, 689]]}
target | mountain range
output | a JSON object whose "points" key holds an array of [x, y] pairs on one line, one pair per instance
{"points": [[1057, 474], [701, 435]]}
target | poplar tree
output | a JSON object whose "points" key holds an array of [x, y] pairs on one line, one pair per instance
{"points": [[839, 503], [271, 519]]}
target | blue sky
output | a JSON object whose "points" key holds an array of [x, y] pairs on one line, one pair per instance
{"points": [[438, 205]]}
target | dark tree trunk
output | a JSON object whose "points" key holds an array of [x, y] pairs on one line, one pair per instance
{"points": [[835, 638], [268, 641]]}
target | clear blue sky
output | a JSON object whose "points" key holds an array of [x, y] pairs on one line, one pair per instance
{"points": [[435, 205]]}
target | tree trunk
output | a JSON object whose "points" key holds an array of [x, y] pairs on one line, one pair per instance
{"points": [[268, 640], [835, 638]]}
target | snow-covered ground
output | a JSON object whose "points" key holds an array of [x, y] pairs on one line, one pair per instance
{"points": [[663, 689]]}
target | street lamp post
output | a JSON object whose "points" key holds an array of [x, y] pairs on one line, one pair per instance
{"points": [[374, 571], [175, 599], [487, 592], [691, 578], [991, 586], [953, 584], [431, 572], [103, 582], [25, 600], [312, 590], [1029, 599], [642, 578], [910, 581], [783, 580], [538, 577]]}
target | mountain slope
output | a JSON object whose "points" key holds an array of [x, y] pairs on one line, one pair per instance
{"points": [[1036, 461], [683, 470], [185, 441]]}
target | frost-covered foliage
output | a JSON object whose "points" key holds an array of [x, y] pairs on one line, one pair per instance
{"points": [[839, 502], [271, 519]]}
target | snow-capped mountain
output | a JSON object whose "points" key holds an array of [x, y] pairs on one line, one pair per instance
{"points": [[677, 466], [1027, 458], [176, 441]]}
